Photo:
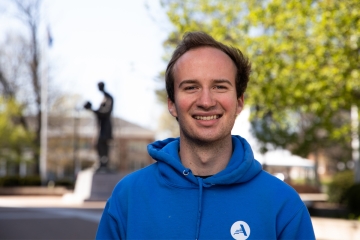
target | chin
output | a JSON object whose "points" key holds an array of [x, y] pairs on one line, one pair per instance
{"points": [[208, 138]]}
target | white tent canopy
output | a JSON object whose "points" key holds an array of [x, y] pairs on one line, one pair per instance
{"points": [[284, 158]]}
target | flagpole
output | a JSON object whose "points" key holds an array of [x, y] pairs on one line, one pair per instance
{"points": [[44, 110]]}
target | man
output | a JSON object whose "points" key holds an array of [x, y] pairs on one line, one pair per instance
{"points": [[205, 184], [103, 116]]}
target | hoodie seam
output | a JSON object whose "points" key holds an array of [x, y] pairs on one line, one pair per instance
{"points": [[292, 218]]}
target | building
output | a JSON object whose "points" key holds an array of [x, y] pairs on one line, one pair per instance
{"points": [[71, 142], [71, 145]]}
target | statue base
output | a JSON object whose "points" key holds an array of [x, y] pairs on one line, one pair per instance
{"points": [[93, 185]]}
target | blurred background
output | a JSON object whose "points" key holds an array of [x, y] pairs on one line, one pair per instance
{"points": [[301, 114]]}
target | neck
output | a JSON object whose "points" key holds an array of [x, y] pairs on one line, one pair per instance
{"points": [[205, 158]]}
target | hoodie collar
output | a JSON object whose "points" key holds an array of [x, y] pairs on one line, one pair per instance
{"points": [[241, 168]]}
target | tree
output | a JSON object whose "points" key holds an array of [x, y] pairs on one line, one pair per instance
{"points": [[14, 138], [21, 68], [305, 59]]}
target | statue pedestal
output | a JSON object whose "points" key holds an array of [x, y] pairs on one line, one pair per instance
{"points": [[102, 185], [92, 185]]}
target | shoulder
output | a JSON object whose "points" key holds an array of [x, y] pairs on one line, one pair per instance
{"points": [[281, 195], [137, 178], [283, 200], [280, 192], [132, 186], [274, 183]]}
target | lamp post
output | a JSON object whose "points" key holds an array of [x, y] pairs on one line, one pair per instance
{"points": [[76, 143], [355, 141]]}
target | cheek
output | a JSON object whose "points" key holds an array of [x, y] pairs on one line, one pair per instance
{"points": [[183, 104], [230, 104]]}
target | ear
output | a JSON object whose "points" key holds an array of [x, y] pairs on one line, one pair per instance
{"points": [[172, 108], [240, 104]]}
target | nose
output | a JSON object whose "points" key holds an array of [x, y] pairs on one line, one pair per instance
{"points": [[206, 100]]}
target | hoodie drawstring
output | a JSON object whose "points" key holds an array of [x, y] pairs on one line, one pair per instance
{"points": [[200, 208]]}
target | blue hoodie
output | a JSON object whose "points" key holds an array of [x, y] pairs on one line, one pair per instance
{"points": [[166, 201]]}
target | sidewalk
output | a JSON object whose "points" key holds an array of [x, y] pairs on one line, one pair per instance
{"points": [[57, 200], [336, 229], [46, 202], [45, 218], [325, 228]]}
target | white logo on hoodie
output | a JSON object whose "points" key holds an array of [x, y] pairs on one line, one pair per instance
{"points": [[240, 230]]}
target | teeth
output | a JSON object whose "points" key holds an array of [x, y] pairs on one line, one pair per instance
{"points": [[207, 118]]}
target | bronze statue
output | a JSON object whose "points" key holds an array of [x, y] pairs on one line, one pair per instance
{"points": [[103, 115]]}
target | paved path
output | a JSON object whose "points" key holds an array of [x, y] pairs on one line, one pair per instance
{"points": [[48, 223], [46, 201], [24, 217], [49, 217]]}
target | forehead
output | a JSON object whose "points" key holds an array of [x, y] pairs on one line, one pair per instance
{"points": [[204, 61]]}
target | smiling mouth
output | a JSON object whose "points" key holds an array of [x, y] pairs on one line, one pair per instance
{"points": [[207, 118]]}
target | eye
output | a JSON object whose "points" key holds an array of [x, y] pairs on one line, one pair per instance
{"points": [[220, 87], [189, 88]]}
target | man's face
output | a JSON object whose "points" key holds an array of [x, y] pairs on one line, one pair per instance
{"points": [[205, 104]]}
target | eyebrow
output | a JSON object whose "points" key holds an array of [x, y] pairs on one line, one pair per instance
{"points": [[222, 81], [192, 81]]}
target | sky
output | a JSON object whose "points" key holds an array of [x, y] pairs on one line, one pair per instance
{"points": [[118, 42]]}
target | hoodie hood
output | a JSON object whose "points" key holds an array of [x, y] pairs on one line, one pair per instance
{"points": [[241, 168]]}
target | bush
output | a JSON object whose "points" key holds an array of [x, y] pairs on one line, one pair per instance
{"points": [[15, 181], [351, 198], [341, 182]]}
